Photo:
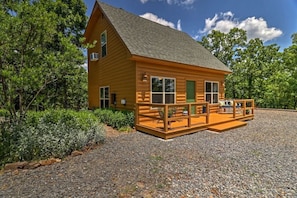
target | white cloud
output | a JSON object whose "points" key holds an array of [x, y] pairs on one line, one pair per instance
{"points": [[143, 1], [255, 27], [178, 2], [179, 25], [258, 28], [187, 2], [155, 18]]}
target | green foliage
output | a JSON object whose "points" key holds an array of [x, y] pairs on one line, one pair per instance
{"points": [[41, 56], [104, 115], [260, 71], [52, 133], [115, 119], [4, 113], [130, 116]]}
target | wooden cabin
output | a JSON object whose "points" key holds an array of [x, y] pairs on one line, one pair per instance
{"points": [[137, 63]]}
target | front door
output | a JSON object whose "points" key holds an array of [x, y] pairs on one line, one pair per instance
{"points": [[191, 94]]}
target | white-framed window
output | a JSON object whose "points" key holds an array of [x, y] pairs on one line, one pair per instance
{"points": [[104, 97], [211, 92], [103, 44], [163, 90]]}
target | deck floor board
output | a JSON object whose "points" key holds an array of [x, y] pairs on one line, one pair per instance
{"points": [[227, 126], [179, 126]]}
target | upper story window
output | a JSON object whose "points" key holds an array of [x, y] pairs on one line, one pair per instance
{"points": [[163, 90], [103, 44], [212, 92]]}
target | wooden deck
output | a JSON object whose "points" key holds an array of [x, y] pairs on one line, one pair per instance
{"points": [[180, 124]]}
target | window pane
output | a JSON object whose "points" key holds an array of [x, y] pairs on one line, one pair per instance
{"points": [[169, 85], [157, 84], [103, 39], [208, 87], [106, 102], [106, 92], [157, 98], [101, 93], [215, 87], [169, 98], [215, 98], [103, 50], [208, 97], [102, 103]]}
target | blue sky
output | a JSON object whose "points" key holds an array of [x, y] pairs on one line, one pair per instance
{"points": [[274, 21]]}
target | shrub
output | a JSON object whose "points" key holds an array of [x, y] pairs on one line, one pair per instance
{"points": [[4, 113], [8, 143], [115, 119], [52, 133], [130, 118], [104, 115]]}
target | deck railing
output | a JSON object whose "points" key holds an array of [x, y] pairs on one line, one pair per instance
{"points": [[243, 107], [168, 113]]}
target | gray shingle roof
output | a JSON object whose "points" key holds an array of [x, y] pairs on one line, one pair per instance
{"points": [[149, 39]]}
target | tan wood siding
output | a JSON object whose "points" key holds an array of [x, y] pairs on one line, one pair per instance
{"points": [[114, 70], [181, 74]]}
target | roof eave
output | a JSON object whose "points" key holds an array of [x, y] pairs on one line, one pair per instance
{"points": [[138, 58]]}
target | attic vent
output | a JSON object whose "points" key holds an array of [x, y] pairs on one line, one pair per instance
{"points": [[94, 56]]}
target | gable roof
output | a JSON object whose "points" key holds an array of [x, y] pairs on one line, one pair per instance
{"points": [[149, 39]]}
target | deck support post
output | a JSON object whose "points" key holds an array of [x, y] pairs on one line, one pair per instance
{"points": [[244, 107], [207, 113], [165, 118], [234, 108], [189, 115]]}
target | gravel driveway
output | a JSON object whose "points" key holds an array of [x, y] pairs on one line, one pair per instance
{"points": [[259, 160]]}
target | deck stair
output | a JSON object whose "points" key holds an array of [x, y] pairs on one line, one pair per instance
{"points": [[227, 126]]}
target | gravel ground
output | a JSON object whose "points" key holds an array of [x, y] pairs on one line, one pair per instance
{"points": [[259, 160]]}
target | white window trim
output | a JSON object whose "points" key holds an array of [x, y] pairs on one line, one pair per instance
{"points": [[104, 32], [104, 99], [211, 93], [163, 92]]}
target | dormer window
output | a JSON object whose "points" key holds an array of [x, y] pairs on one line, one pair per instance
{"points": [[103, 44]]}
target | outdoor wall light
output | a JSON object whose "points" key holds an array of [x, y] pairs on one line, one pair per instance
{"points": [[144, 77], [123, 101]]}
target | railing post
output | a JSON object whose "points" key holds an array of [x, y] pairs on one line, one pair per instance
{"points": [[244, 107], [207, 113], [234, 108], [165, 119], [253, 106], [189, 115]]}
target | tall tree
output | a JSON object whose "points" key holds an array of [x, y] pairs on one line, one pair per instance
{"points": [[290, 61], [34, 53], [253, 69], [226, 46]]}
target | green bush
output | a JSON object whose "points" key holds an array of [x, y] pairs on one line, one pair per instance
{"points": [[130, 118], [115, 119], [104, 115], [4, 113], [52, 133]]}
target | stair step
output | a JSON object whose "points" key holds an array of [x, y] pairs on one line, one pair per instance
{"points": [[227, 126]]}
